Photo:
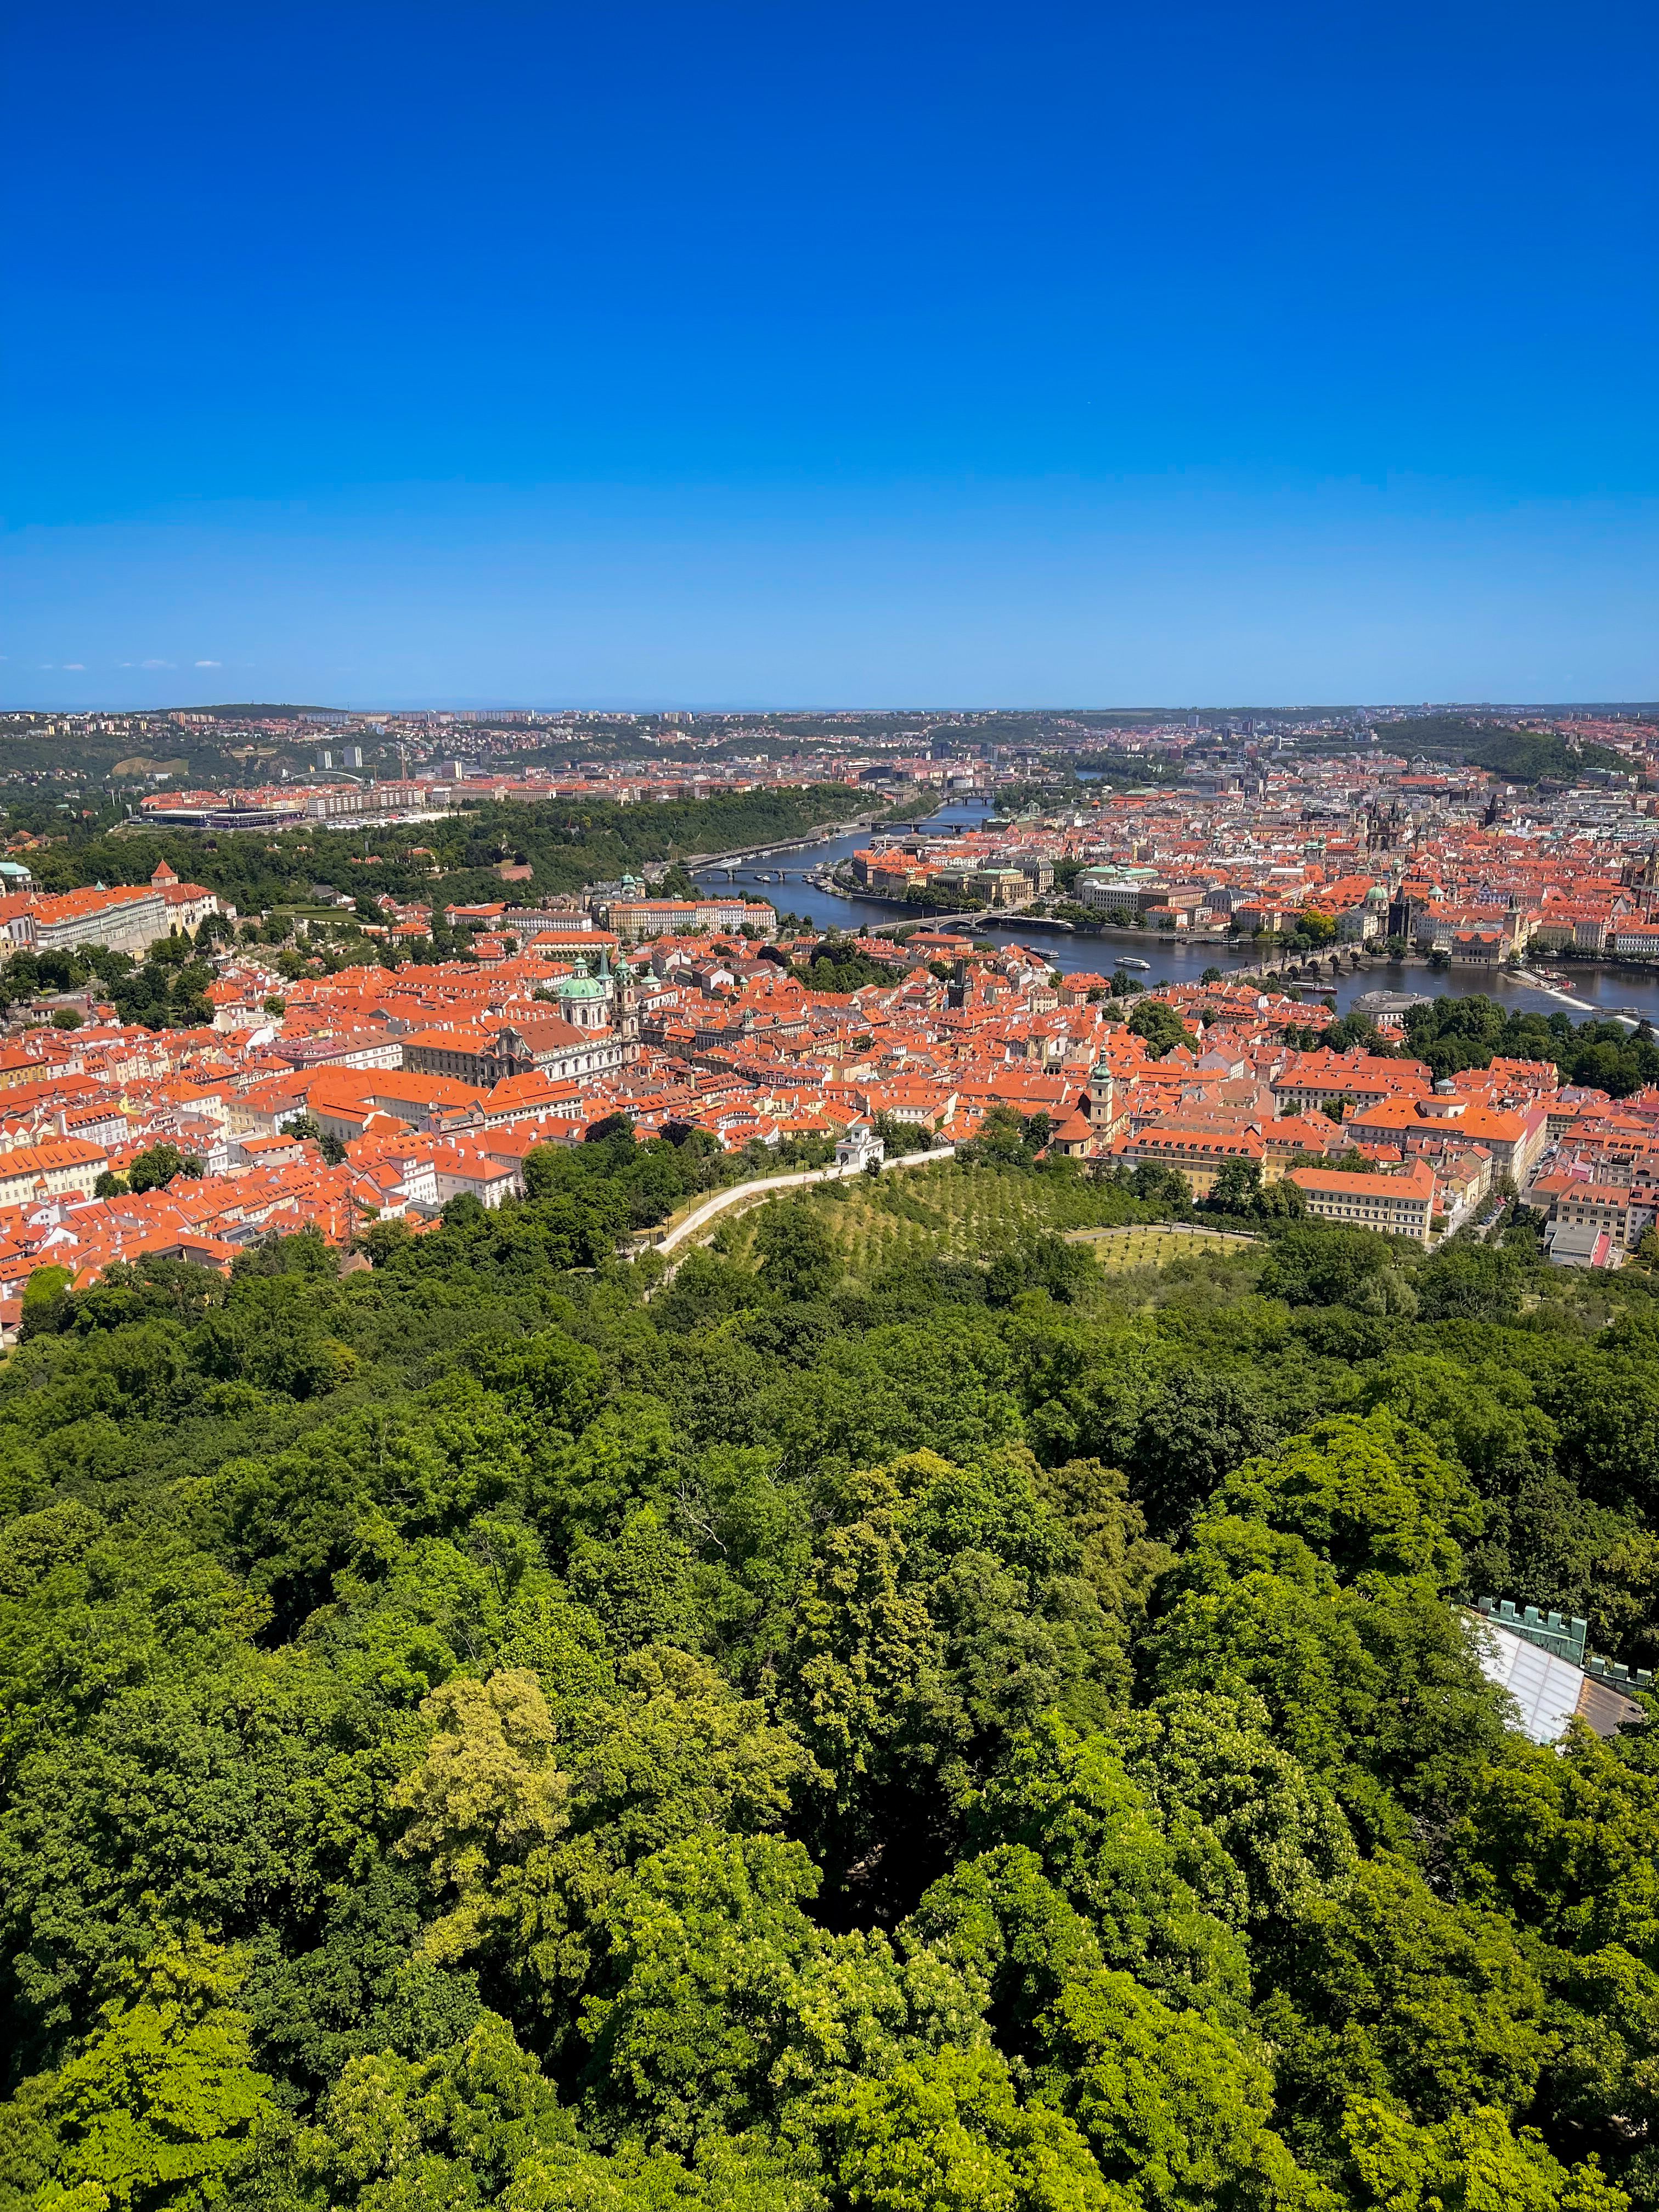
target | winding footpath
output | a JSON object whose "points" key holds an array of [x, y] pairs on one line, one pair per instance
{"points": [[763, 1187]]}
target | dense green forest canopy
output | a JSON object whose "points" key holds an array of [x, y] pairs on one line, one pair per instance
{"points": [[960, 1729], [569, 843]]}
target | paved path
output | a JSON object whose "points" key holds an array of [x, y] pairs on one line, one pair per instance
{"points": [[763, 1187], [1160, 1229]]}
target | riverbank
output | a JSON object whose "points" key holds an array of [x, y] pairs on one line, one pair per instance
{"points": [[829, 833], [1627, 1014], [1617, 989]]}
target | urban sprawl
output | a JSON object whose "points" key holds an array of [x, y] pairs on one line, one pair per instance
{"points": [[330, 1066]]}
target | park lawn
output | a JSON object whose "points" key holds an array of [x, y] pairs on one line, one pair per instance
{"points": [[1158, 1247]]}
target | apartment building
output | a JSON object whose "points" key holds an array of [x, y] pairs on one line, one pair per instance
{"points": [[46, 1171], [459, 1169], [1126, 897], [1623, 1211], [128, 919], [1515, 1139], [1196, 1152], [355, 1048], [636, 920], [1321, 1079], [1398, 1205], [371, 798]]}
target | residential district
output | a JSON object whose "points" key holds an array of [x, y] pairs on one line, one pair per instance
{"points": [[314, 1093]]}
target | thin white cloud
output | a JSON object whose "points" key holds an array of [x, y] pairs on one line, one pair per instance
{"points": [[46, 664], [76, 667], [155, 663], [209, 663]]}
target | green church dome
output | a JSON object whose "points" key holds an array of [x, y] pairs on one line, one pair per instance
{"points": [[582, 988]]}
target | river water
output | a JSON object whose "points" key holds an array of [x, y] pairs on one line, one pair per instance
{"points": [[1171, 961]]}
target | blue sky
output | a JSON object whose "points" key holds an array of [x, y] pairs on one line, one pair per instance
{"points": [[797, 353]]}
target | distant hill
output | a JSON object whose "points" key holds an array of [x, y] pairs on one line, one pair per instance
{"points": [[254, 709], [1519, 755], [1533, 756]]}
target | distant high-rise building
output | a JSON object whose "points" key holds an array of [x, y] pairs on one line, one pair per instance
{"points": [[325, 756]]}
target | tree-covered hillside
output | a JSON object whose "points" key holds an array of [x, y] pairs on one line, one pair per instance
{"points": [[1522, 756], [569, 843], [843, 1724]]}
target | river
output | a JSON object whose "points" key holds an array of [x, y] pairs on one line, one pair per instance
{"points": [[1171, 961]]}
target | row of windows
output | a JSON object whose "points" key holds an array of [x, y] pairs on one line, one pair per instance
{"points": [[1334, 1206], [1171, 1151]]}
